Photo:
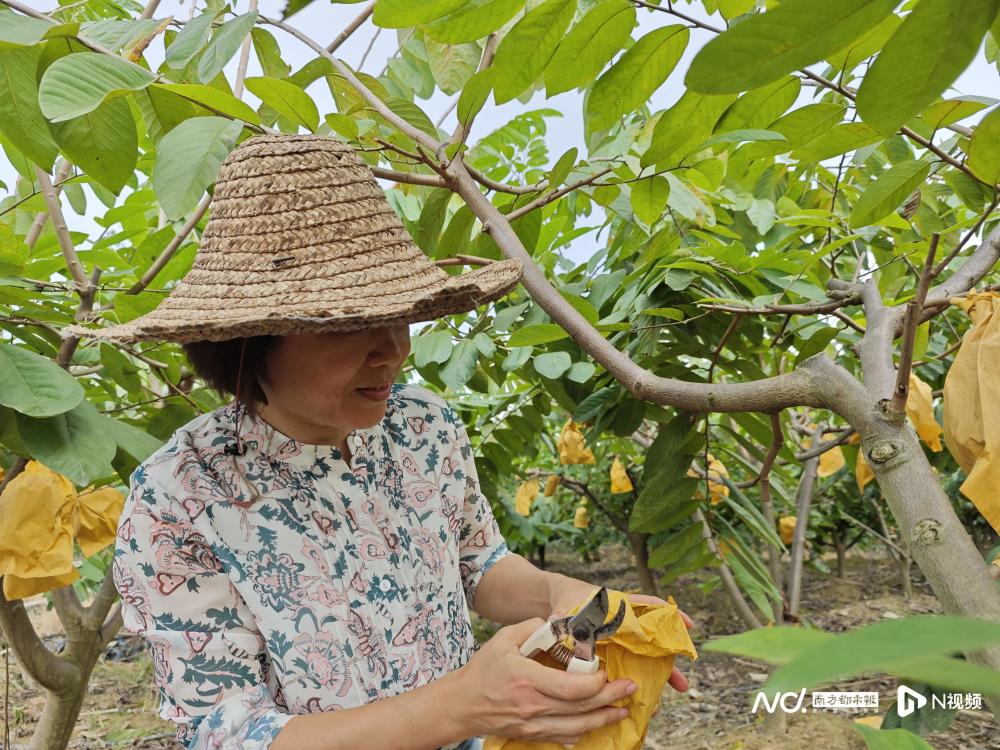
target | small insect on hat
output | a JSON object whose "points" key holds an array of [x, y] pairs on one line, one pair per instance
{"points": [[301, 239]]}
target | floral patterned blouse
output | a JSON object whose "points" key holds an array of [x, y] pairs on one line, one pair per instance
{"points": [[339, 585]]}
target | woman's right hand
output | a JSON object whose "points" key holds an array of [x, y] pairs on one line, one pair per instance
{"points": [[507, 694]]}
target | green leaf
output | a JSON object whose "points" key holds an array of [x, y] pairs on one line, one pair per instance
{"points": [[741, 136], [882, 644], [224, 44], [638, 73], [461, 365], [539, 333], [649, 198], [137, 443], [779, 645], [984, 151], [590, 44], [212, 98], [16, 30], [581, 372], [188, 160], [401, 14], [890, 739], [473, 20], [682, 200], [760, 107], [35, 385], [474, 95], [75, 443], [552, 364], [948, 111], [836, 141], [889, 191], [934, 44], [103, 143], [683, 127], [526, 50], [431, 347], [269, 53], [768, 46], [21, 120], [452, 65], [676, 545], [287, 99], [190, 40], [77, 84]]}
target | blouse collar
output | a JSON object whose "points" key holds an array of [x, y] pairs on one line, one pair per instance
{"points": [[273, 443]]}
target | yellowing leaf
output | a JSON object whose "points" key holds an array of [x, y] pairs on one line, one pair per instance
{"points": [[551, 485], [920, 410], [572, 449], [581, 518], [620, 481], [786, 528], [525, 497]]}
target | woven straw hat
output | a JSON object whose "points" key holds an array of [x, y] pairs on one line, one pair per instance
{"points": [[301, 239]]}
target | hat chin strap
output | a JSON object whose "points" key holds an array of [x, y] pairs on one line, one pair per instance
{"points": [[239, 449]]}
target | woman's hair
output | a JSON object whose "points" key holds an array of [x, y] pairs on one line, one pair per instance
{"points": [[218, 363]]}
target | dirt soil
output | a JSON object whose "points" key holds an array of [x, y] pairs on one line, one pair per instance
{"points": [[120, 711]]}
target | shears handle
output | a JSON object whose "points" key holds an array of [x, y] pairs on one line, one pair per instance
{"points": [[544, 639]]}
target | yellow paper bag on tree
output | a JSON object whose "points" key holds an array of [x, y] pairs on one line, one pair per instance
{"points": [[525, 496], [581, 519], [972, 404], [572, 449], [40, 515], [920, 410], [716, 488], [786, 528], [620, 481], [642, 650], [551, 485]]}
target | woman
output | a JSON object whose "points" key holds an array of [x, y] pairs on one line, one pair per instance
{"points": [[302, 560]]}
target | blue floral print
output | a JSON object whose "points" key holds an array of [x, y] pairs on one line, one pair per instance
{"points": [[303, 582]]}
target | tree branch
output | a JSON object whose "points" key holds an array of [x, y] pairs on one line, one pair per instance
{"points": [[796, 388], [377, 104], [911, 320], [554, 196], [353, 26], [171, 248], [46, 668], [62, 233]]}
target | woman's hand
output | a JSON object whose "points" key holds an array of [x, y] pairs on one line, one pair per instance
{"points": [[571, 591], [507, 694]]}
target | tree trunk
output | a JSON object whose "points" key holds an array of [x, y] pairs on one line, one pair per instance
{"points": [[838, 545], [805, 493], [55, 725], [640, 552], [926, 520]]}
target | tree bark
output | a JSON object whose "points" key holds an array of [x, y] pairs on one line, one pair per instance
{"points": [[805, 493], [640, 552]]}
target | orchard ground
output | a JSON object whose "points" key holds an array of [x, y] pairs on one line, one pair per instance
{"points": [[120, 709]]}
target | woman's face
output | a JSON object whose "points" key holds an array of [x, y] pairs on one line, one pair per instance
{"points": [[313, 380]]}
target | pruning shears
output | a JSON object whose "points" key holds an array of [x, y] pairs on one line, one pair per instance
{"points": [[583, 629]]}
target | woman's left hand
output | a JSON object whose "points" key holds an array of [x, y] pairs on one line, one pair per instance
{"points": [[572, 595]]}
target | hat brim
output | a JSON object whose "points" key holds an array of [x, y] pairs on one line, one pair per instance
{"points": [[175, 319]]}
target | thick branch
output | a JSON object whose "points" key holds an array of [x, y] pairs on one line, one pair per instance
{"points": [[796, 388], [48, 670], [875, 348]]}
